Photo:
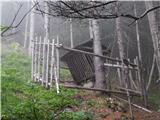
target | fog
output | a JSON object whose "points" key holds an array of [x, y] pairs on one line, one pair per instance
{"points": [[60, 27]]}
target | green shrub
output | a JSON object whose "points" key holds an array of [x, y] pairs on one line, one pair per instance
{"points": [[81, 115]]}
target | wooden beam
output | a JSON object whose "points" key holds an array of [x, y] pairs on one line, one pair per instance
{"points": [[133, 91], [137, 106], [85, 52], [118, 66], [89, 48], [98, 89]]}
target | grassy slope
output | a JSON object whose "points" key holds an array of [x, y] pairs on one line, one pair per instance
{"points": [[24, 100]]}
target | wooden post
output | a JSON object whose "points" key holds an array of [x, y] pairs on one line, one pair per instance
{"points": [[119, 75], [71, 32], [52, 62], [39, 59], [44, 61], [35, 59], [151, 72], [137, 77], [57, 53], [47, 63], [132, 81], [32, 49], [127, 91], [57, 66], [142, 83]]}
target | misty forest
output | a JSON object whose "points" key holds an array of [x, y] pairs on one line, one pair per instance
{"points": [[80, 60]]}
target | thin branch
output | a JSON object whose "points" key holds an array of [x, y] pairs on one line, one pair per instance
{"points": [[147, 11], [10, 34], [71, 8], [9, 27], [144, 14], [19, 21], [24, 16], [95, 16], [94, 6]]}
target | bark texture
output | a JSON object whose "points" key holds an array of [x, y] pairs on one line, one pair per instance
{"points": [[120, 45], [71, 33], [26, 30], [32, 25], [98, 62], [154, 33]]}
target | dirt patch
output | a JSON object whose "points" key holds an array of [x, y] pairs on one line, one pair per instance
{"points": [[104, 110], [142, 115]]}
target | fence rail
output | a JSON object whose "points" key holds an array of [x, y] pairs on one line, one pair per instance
{"points": [[46, 64]]}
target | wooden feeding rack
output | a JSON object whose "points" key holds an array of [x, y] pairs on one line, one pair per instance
{"points": [[81, 65]]}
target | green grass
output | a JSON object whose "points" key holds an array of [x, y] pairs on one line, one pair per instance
{"points": [[65, 74], [23, 100], [154, 98]]}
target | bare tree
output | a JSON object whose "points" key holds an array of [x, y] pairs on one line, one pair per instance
{"points": [[120, 43], [98, 62], [46, 40], [154, 33], [94, 10], [84, 10], [26, 29], [32, 25], [11, 25], [141, 75]]}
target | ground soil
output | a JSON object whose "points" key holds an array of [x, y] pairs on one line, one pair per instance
{"points": [[98, 106]]}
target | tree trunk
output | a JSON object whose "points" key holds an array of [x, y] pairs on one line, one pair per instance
{"points": [[0, 18], [120, 46], [46, 48], [31, 36], [90, 29], [157, 12], [138, 36], [154, 33], [98, 62], [71, 33], [26, 29], [142, 81]]}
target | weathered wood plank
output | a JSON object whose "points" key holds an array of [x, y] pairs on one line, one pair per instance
{"points": [[52, 62], [98, 89]]}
